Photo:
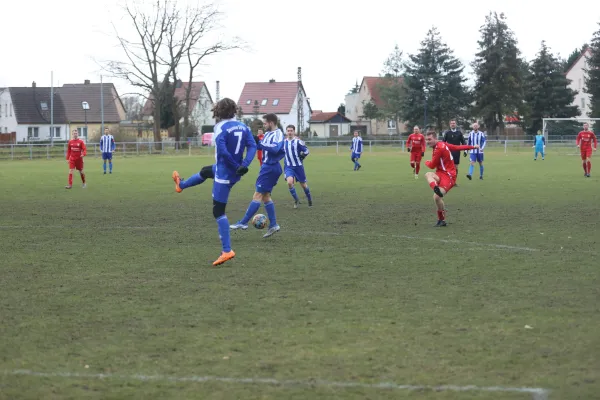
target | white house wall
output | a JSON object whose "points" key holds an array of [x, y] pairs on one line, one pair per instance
{"points": [[43, 132], [202, 113], [577, 76], [8, 120], [352, 102]]}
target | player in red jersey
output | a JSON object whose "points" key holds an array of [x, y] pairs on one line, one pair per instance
{"points": [[584, 142], [259, 153], [444, 177], [416, 147], [76, 150]]}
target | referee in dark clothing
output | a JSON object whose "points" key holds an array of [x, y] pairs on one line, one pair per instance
{"points": [[454, 136]]}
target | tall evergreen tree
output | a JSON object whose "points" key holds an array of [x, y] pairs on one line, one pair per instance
{"points": [[592, 80], [499, 74], [434, 71], [548, 94], [167, 105]]}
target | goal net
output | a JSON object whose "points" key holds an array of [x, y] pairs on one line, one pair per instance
{"points": [[561, 133]]}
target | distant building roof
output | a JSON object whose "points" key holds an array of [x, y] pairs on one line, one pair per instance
{"points": [[180, 95], [587, 51], [73, 94], [374, 83], [32, 105], [328, 116], [271, 97]]}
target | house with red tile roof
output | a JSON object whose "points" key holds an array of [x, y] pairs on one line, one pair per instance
{"points": [[279, 98], [577, 74], [369, 90], [201, 104], [329, 124]]}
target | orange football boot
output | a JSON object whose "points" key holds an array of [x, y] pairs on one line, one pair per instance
{"points": [[224, 258], [177, 179]]}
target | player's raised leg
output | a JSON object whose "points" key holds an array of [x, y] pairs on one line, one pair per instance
{"points": [[207, 172]]}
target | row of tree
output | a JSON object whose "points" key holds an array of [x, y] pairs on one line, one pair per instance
{"points": [[433, 82]]}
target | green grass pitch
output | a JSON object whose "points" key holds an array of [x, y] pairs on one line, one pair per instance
{"points": [[117, 279]]}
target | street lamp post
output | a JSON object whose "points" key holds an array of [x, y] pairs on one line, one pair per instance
{"points": [[86, 106]]}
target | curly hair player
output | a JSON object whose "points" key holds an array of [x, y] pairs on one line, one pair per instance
{"points": [[231, 139]]}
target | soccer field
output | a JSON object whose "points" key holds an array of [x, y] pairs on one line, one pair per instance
{"points": [[108, 292]]}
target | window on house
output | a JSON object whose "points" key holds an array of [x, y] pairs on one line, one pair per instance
{"points": [[11, 109], [264, 102], [248, 101], [56, 130], [6, 109], [44, 106], [275, 102], [33, 132], [82, 131], [582, 104], [391, 124]]}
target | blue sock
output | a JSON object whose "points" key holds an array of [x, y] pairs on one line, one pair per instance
{"points": [[294, 194], [270, 207], [110, 166], [307, 193], [252, 209], [193, 180], [481, 170], [104, 166], [355, 165], [224, 233], [471, 170]]}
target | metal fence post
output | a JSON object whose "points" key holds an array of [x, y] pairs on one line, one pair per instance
{"points": [[12, 151], [30, 152], [48, 151], [137, 148]]}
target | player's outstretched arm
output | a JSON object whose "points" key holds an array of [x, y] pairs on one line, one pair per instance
{"points": [[454, 147], [250, 148], [222, 152]]}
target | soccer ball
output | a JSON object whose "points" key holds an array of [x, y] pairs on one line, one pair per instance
{"points": [[259, 221]]}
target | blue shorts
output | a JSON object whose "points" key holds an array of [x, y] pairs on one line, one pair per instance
{"points": [[107, 156], [220, 191], [476, 157], [296, 172], [355, 155], [267, 177]]}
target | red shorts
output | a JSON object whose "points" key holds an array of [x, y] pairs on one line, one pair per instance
{"points": [[446, 181], [586, 153], [415, 157], [76, 164]]}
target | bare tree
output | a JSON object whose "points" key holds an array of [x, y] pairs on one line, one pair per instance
{"points": [[164, 34], [198, 50]]}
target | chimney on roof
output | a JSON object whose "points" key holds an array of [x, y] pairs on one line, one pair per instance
{"points": [[178, 83], [271, 80], [86, 82], [33, 84]]}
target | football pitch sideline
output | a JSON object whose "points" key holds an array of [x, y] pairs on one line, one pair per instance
{"points": [[108, 292]]}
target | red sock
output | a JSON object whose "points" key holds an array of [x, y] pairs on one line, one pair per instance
{"points": [[70, 179], [589, 166], [441, 215], [432, 185], [82, 177], [585, 167], [418, 168]]}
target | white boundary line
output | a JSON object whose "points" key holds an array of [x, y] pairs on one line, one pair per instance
{"points": [[306, 233], [537, 393]]}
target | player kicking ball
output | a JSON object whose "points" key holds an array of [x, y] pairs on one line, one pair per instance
{"points": [[231, 139], [444, 178]]}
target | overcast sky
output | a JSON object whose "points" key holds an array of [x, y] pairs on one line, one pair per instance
{"points": [[336, 43]]}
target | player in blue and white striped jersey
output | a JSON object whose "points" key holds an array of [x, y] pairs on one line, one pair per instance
{"points": [[295, 153], [270, 171], [356, 148], [476, 138], [107, 146]]}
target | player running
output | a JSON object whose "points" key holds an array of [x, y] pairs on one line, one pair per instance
{"points": [[455, 136], [259, 153], [295, 153], [584, 142], [231, 139], [76, 150], [107, 146], [416, 148], [270, 171], [539, 143], [356, 148], [444, 178], [476, 138]]}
